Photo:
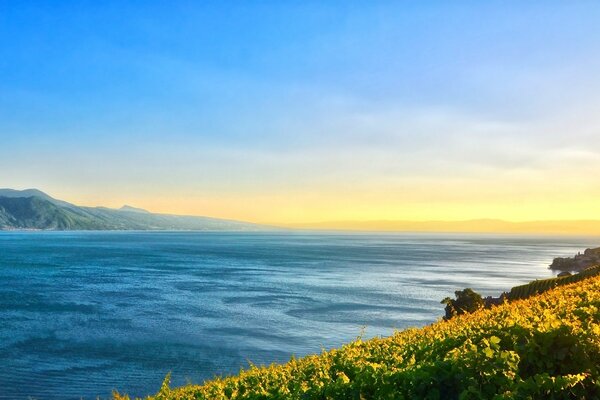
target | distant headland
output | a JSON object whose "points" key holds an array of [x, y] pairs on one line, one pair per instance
{"points": [[577, 263], [33, 209]]}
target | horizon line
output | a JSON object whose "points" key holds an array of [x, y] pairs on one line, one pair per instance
{"points": [[469, 225]]}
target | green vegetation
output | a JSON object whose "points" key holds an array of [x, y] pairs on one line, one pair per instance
{"points": [[467, 301], [541, 286], [546, 346]]}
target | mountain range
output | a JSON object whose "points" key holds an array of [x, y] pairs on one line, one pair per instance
{"points": [[33, 209]]}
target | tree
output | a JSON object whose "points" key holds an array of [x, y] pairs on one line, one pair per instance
{"points": [[466, 301]]}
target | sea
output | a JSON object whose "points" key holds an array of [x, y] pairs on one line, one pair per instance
{"points": [[83, 314]]}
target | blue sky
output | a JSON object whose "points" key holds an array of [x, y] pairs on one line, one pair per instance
{"points": [[307, 110]]}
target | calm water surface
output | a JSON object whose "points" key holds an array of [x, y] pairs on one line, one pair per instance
{"points": [[82, 314]]}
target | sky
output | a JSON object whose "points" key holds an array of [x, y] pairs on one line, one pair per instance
{"points": [[303, 111]]}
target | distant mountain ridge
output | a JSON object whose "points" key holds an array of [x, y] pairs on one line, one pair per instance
{"points": [[556, 227], [134, 209], [33, 209]]}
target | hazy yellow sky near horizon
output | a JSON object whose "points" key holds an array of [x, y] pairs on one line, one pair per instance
{"points": [[511, 199]]}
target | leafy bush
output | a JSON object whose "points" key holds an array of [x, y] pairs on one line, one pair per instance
{"points": [[467, 301], [546, 346]]}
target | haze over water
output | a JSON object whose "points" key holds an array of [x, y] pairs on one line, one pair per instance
{"points": [[82, 314]]}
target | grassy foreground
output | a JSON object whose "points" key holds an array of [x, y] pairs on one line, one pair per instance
{"points": [[546, 346]]}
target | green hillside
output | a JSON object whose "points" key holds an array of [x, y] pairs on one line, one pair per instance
{"points": [[33, 209], [543, 285], [37, 213], [543, 347]]}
